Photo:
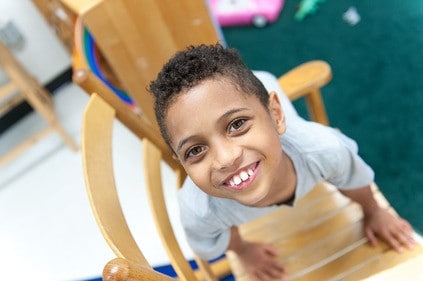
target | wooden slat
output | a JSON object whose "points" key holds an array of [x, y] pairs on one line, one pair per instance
{"points": [[315, 194], [307, 212], [11, 103], [7, 89], [410, 269], [345, 263], [206, 269], [325, 251], [152, 171], [341, 220], [99, 179]]}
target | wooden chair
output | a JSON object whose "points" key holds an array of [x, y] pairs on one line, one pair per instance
{"points": [[127, 36], [324, 240], [23, 87]]}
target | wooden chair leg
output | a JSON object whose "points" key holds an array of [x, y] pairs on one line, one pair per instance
{"points": [[316, 107], [40, 100]]}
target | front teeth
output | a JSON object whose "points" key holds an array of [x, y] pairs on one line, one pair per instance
{"points": [[243, 176], [237, 180]]}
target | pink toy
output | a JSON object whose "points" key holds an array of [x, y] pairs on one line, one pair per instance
{"points": [[245, 12]]}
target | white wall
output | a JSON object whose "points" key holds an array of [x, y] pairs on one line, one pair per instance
{"points": [[43, 54]]}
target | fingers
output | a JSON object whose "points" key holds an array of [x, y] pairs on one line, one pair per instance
{"points": [[271, 271], [395, 243], [275, 271], [371, 236], [261, 263], [271, 251], [405, 235], [401, 235], [271, 274], [398, 235]]}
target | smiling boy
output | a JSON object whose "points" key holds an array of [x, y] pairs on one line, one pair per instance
{"points": [[247, 152]]}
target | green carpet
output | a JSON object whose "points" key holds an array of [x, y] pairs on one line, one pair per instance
{"points": [[376, 95]]}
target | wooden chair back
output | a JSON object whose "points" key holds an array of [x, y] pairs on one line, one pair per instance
{"points": [[137, 37]]}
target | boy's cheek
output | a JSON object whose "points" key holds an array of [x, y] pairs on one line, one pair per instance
{"points": [[199, 178]]}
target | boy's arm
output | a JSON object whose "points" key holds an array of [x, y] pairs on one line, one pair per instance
{"points": [[379, 222], [364, 197]]}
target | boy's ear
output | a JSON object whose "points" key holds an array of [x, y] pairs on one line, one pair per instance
{"points": [[276, 113]]}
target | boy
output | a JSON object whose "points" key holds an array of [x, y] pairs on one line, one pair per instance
{"points": [[246, 153]]}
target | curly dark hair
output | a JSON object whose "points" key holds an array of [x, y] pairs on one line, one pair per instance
{"points": [[188, 68]]}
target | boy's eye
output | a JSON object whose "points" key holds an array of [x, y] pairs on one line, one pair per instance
{"points": [[236, 125], [194, 151]]}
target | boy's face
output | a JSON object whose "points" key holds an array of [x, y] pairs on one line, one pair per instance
{"points": [[228, 142]]}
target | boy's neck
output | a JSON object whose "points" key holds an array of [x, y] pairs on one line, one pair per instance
{"points": [[284, 193]]}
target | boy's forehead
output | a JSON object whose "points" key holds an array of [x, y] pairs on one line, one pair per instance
{"points": [[210, 90], [211, 94], [215, 91]]}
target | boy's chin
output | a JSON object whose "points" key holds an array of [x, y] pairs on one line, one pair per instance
{"points": [[256, 200]]}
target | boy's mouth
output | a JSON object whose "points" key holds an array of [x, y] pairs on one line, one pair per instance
{"points": [[242, 178]]}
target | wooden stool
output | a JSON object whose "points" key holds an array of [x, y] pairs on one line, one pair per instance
{"points": [[31, 91]]}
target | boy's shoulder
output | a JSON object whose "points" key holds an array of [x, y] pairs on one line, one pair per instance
{"points": [[193, 199], [309, 138]]}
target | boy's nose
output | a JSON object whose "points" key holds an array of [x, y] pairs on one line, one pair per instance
{"points": [[227, 156]]}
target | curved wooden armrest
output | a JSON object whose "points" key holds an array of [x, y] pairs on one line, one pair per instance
{"points": [[305, 81], [120, 269], [305, 78]]}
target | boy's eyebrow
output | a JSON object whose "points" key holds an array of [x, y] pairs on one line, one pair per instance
{"points": [[224, 116], [181, 143]]}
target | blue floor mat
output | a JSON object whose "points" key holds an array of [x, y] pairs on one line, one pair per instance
{"points": [[168, 270]]}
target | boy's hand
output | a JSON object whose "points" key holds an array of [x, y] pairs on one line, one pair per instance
{"points": [[260, 262], [394, 230], [379, 222]]}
